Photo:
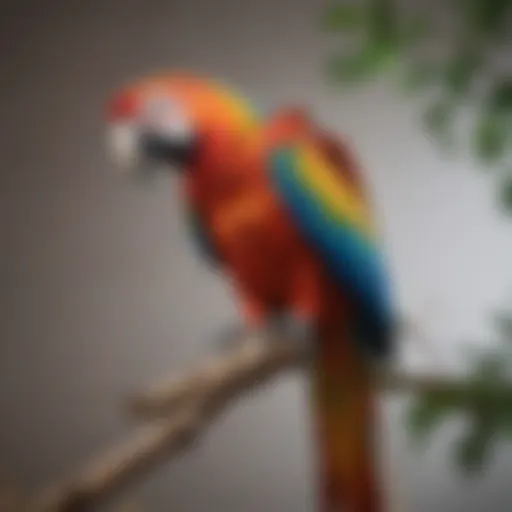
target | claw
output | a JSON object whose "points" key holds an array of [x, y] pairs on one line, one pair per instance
{"points": [[283, 327], [298, 330], [233, 336]]}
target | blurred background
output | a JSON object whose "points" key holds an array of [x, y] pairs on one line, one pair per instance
{"points": [[102, 292]]}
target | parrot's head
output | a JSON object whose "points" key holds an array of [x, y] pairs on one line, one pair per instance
{"points": [[172, 120]]}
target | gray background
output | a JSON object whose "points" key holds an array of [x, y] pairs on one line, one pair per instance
{"points": [[102, 292]]}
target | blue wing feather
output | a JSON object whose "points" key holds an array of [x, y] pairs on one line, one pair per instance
{"points": [[354, 261]]}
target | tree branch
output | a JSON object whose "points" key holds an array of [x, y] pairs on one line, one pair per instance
{"points": [[183, 407], [251, 361], [255, 361], [111, 471], [204, 393]]}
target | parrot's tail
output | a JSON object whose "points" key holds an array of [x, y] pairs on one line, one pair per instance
{"points": [[343, 398]]}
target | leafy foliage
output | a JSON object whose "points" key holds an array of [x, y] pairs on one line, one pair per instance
{"points": [[484, 400], [506, 192], [472, 450], [431, 410], [393, 40], [490, 138]]}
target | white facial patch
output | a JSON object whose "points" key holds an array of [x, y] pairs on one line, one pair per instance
{"points": [[166, 118], [160, 121], [123, 146]]}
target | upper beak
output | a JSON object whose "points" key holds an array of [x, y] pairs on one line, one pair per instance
{"points": [[133, 149], [123, 146]]}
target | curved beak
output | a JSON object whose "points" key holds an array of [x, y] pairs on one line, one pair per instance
{"points": [[123, 146], [133, 150], [175, 151]]}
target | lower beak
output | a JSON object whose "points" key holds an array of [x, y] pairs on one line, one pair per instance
{"points": [[134, 151], [161, 149]]}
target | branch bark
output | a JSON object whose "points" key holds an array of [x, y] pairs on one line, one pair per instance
{"points": [[112, 471], [181, 409], [200, 396], [256, 361], [252, 361]]}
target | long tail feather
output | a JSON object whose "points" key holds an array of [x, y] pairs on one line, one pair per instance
{"points": [[344, 402]]}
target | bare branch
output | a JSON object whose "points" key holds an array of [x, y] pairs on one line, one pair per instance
{"points": [[121, 465], [250, 361], [255, 361], [232, 374], [182, 408]]}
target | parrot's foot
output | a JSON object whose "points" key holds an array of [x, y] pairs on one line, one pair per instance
{"points": [[235, 335], [297, 330], [278, 328]]}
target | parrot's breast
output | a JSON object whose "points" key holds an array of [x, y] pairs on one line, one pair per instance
{"points": [[255, 239], [260, 244]]}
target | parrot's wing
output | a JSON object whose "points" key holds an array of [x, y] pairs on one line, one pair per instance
{"points": [[201, 238], [330, 211], [341, 158]]}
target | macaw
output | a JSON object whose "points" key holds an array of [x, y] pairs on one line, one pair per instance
{"points": [[278, 205]]}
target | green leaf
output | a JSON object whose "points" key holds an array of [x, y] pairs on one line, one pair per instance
{"points": [[343, 17], [506, 416], [501, 97], [489, 368], [349, 69], [490, 138], [362, 65], [487, 379], [460, 71], [487, 17], [383, 21], [505, 198], [473, 449], [427, 412], [413, 32], [381, 56]]}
